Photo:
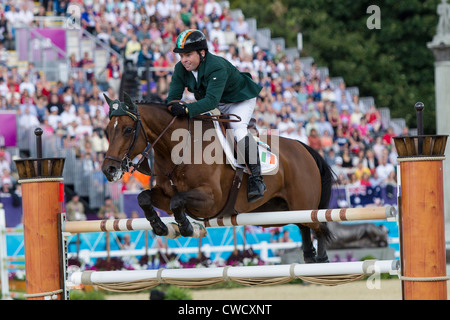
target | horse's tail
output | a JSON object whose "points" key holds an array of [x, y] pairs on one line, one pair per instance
{"points": [[326, 176], [327, 181]]}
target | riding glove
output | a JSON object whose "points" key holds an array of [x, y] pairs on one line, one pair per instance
{"points": [[179, 109]]}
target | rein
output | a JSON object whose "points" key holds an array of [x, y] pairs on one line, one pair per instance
{"points": [[219, 117], [145, 153]]}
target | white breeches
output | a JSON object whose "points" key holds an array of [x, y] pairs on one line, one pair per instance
{"points": [[242, 109]]}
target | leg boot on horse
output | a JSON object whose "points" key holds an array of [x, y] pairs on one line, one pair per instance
{"points": [[177, 206], [145, 202]]}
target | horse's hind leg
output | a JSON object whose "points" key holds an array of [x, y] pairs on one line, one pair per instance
{"points": [[309, 252], [321, 249], [323, 236]]}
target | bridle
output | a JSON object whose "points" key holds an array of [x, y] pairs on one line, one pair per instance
{"points": [[126, 163]]}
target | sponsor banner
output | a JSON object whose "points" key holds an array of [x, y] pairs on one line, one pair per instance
{"points": [[32, 43], [8, 129], [57, 36]]}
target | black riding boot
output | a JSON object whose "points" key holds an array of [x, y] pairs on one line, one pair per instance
{"points": [[256, 186]]}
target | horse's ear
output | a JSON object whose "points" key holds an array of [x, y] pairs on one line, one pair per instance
{"points": [[108, 100], [128, 102]]}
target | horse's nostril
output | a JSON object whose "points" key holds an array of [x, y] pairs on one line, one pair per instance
{"points": [[111, 170]]}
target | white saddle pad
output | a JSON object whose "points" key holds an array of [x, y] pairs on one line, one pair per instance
{"points": [[269, 160]]}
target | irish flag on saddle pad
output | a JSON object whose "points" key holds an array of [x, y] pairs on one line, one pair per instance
{"points": [[267, 157], [269, 161]]}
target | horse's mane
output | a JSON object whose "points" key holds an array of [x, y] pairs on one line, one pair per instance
{"points": [[153, 103], [163, 107]]}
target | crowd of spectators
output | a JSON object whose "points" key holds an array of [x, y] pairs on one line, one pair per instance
{"points": [[301, 104]]}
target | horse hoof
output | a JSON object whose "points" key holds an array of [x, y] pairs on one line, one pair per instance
{"points": [[160, 229], [310, 256], [310, 259], [186, 229], [322, 260]]}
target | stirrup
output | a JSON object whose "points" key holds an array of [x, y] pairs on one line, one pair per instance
{"points": [[257, 183]]}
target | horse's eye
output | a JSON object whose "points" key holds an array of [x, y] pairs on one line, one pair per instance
{"points": [[128, 130]]}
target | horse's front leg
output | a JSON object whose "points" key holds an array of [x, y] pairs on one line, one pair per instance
{"points": [[149, 198], [199, 198]]}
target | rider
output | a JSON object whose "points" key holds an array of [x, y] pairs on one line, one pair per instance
{"points": [[215, 82]]}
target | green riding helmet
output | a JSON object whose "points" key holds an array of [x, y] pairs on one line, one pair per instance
{"points": [[191, 40]]}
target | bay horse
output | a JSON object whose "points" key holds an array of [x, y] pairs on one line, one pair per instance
{"points": [[303, 180]]}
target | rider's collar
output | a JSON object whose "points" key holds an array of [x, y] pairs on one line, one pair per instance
{"points": [[126, 108]]}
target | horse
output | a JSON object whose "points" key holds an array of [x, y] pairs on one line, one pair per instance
{"points": [[303, 180]]}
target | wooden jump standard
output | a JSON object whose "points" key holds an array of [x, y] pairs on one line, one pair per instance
{"points": [[421, 218], [421, 214], [42, 201]]}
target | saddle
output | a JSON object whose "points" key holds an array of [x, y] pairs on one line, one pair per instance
{"points": [[269, 161]]}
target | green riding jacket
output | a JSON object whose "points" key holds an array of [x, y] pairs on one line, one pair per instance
{"points": [[218, 82]]}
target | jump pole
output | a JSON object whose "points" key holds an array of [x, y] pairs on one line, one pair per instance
{"points": [[41, 206], [368, 267], [241, 219], [421, 214]]}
